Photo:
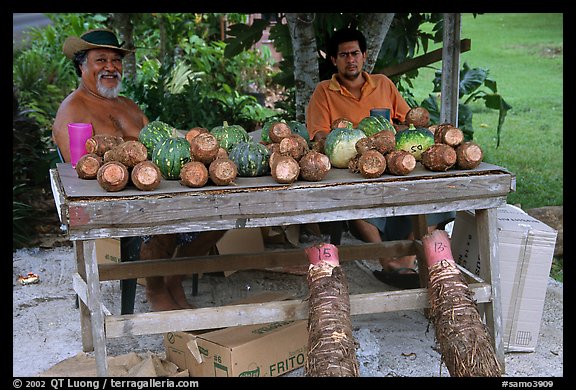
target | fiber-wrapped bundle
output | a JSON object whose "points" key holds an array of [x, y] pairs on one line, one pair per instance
{"points": [[464, 341], [331, 345]]}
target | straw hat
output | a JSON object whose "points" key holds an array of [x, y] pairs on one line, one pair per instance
{"points": [[93, 39]]}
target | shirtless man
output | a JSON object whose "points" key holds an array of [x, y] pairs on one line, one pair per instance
{"points": [[97, 58]]}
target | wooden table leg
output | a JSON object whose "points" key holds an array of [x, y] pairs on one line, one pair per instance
{"points": [[420, 229], [487, 230], [94, 297], [85, 321]]}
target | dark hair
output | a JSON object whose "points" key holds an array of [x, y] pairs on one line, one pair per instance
{"points": [[80, 58], [345, 35]]}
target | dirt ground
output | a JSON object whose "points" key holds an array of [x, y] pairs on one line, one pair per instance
{"points": [[46, 322]]}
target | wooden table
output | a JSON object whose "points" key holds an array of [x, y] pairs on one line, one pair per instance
{"points": [[91, 213]]}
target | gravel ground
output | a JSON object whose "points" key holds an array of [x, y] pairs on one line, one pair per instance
{"points": [[398, 344]]}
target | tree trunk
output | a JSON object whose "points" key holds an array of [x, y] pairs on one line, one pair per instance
{"points": [[306, 76], [123, 24], [374, 26]]}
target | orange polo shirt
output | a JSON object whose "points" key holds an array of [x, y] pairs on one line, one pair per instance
{"points": [[331, 101]]}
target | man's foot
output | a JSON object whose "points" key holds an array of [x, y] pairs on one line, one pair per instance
{"points": [[174, 285], [160, 300]]}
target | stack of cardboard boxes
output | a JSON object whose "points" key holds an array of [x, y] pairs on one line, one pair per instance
{"points": [[525, 251]]}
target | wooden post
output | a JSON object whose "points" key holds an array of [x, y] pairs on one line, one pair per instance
{"points": [[450, 69]]}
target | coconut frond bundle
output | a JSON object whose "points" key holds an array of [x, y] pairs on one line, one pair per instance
{"points": [[465, 343], [331, 345]]}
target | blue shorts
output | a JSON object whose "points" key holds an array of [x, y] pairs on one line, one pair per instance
{"points": [[182, 238], [130, 246]]}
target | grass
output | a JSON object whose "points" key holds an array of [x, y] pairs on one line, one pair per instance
{"points": [[524, 55]]}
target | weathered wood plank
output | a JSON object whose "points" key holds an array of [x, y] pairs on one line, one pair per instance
{"points": [[246, 314], [96, 217], [450, 69], [420, 61], [244, 261], [58, 193]]}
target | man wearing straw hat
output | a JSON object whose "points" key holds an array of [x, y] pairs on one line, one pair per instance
{"points": [[97, 57]]}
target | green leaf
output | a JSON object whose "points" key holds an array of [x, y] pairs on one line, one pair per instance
{"points": [[471, 80], [496, 102], [243, 37], [431, 105]]}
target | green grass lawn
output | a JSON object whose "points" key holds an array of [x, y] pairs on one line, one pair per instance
{"points": [[524, 55]]}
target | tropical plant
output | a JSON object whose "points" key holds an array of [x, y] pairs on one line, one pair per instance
{"points": [[474, 85]]}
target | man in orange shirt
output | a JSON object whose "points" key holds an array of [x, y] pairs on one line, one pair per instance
{"points": [[351, 93]]}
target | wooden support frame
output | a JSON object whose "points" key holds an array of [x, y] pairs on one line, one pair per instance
{"points": [[343, 196]]}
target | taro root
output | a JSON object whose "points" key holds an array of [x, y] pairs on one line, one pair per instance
{"points": [[319, 145], [331, 350], [273, 147], [314, 166], [294, 146], [364, 144], [128, 153], [278, 131], [417, 116], [353, 164], [273, 157], [448, 134], [439, 157], [146, 176], [465, 343], [204, 148], [88, 165], [113, 176], [194, 174], [433, 128], [222, 153], [400, 162], [222, 171], [384, 141], [371, 164], [101, 143], [285, 169], [468, 155], [193, 132]]}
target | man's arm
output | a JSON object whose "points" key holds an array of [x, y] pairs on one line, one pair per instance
{"points": [[318, 114], [60, 128]]}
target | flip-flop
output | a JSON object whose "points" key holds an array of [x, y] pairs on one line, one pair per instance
{"points": [[399, 278]]}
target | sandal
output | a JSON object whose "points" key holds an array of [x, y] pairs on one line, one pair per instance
{"points": [[399, 278]]}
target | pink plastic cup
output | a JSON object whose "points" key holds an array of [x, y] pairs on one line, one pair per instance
{"points": [[79, 133]]}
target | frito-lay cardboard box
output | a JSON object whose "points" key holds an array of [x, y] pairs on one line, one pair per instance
{"points": [[261, 350], [525, 251]]}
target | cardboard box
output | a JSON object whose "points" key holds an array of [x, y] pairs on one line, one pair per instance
{"points": [[244, 240], [107, 250], [525, 250], [260, 350]]}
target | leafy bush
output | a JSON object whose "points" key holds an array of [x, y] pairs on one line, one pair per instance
{"points": [[474, 85], [202, 87]]}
